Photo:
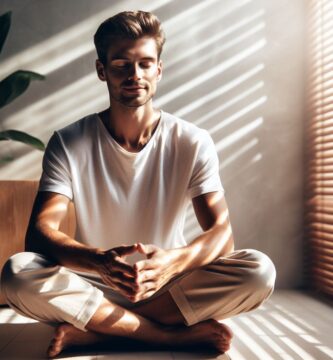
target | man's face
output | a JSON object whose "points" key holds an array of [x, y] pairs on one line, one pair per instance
{"points": [[132, 71]]}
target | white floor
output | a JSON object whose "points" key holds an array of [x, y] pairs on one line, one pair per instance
{"points": [[290, 325]]}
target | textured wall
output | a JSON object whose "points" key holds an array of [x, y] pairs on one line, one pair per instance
{"points": [[234, 67]]}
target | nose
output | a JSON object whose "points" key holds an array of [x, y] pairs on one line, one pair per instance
{"points": [[135, 72]]}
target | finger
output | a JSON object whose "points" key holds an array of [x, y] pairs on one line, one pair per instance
{"points": [[107, 281], [118, 287], [148, 294], [144, 295], [146, 287], [146, 248], [113, 261], [119, 265], [144, 265], [129, 282], [146, 275], [128, 291], [126, 249]]}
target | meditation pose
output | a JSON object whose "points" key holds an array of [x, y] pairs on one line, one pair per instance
{"points": [[131, 171]]}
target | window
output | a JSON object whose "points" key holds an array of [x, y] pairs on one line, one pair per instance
{"points": [[319, 148]]}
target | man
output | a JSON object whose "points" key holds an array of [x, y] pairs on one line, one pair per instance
{"points": [[131, 171]]}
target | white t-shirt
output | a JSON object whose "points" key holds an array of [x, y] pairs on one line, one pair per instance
{"points": [[122, 197]]}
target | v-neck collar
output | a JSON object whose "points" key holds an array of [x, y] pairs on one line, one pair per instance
{"points": [[123, 150]]}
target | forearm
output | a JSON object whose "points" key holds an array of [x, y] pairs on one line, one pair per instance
{"points": [[63, 249], [204, 249]]}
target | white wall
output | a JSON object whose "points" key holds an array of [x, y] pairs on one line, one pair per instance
{"points": [[234, 67]]}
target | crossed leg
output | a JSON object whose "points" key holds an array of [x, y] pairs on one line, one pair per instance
{"points": [[168, 329], [239, 282]]}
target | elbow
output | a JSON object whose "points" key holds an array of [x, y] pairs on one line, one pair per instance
{"points": [[32, 238]]}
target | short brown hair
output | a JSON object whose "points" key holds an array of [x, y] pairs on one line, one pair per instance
{"points": [[128, 25]]}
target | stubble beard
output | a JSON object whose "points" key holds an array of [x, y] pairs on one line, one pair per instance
{"points": [[128, 101]]}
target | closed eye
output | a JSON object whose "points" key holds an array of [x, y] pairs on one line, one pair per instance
{"points": [[146, 64], [120, 64], [125, 64]]}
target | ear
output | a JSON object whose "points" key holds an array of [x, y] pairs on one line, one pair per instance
{"points": [[100, 70], [159, 70]]}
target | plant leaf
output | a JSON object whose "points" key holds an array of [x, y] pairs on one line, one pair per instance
{"points": [[23, 137], [15, 84], [5, 20]]}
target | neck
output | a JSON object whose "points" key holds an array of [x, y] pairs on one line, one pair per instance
{"points": [[133, 127]]}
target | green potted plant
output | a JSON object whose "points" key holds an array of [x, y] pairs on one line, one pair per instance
{"points": [[12, 87]]}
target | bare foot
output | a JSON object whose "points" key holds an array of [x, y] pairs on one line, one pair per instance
{"points": [[209, 332], [67, 335]]}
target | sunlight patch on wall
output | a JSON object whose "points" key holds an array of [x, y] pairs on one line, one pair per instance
{"points": [[195, 104], [210, 73], [70, 44]]}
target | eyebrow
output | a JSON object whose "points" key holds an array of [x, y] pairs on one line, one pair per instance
{"points": [[122, 57]]}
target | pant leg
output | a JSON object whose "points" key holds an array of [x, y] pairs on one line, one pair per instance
{"points": [[36, 287], [239, 282], [47, 292]]}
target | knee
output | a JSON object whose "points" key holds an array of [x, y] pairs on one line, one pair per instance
{"points": [[17, 270], [262, 273]]}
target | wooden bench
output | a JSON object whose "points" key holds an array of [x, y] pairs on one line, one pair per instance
{"points": [[16, 201]]}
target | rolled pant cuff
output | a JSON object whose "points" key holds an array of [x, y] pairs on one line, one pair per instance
{"points": [[184, 306], [88, 310]]}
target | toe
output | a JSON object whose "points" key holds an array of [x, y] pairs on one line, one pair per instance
{"points": [[227, 332], [60, 331], [51, 352], [224, 347], [55, 344]]}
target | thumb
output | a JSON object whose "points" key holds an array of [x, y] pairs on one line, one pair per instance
{"points": [[126, 249], [146, 248]]}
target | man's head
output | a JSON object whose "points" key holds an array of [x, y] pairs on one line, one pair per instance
{"points": [[131, 25], [129, 46]]}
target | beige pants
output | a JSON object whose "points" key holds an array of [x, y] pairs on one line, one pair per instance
{"points": [[38, 288]]}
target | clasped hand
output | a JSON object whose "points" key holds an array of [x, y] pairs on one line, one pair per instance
{"points": [[145, 277]]}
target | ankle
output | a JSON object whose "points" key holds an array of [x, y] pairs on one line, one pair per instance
{"points": [[171, 333]]}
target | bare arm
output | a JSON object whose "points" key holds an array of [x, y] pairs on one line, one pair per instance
{"points": [[43, 235], [217, 240]]}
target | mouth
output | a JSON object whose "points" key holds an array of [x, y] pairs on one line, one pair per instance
{"points": [[133, 89]]}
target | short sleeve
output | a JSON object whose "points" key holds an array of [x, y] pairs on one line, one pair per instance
{"points": [[205, 177], [56, 176]]}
